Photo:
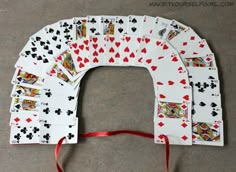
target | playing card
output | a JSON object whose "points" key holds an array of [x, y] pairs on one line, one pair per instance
{"points": [[24, 134], [178, 131], [189, 44], [173, 29], [112, 51], [121, 24], [108, 25], [66, 27], [50, 134], [160, 27], [200, 113], [26, 92], [24, 119], [128, 48], [25, 78], [208, 133], [80, 53], [79, 28], [97, 48], [200, 61], [60, 115], [172, 110], [134, 25], [147, 26], [204, 73], [21, 105], [93, 25]]}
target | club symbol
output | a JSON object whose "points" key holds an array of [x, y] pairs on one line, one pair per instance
{"points": [[66, 30], [46, 136], [93, 20], [58, 111], [17, 137], [71, 98], [69, 112], [213, 85], [106, 21], [48, 93], [35, 129], [47, 125], [65, 24], [78, 22], [29, 136], [46, 111], [23, 130], [70, 136]]}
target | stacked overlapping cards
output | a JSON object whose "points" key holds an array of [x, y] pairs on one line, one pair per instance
{"points": [[54, 60]]}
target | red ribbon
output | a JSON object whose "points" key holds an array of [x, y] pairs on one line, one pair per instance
{"points": [[112, 133]]}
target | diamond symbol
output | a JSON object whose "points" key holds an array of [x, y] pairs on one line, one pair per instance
{"points": [[182, 52], [28, 120], [161, 116], [184, 125], [208, 59], [160, 124], [185, 43], [184, 138], [184, 106], [193, 136], [17, 119], [215, 126], [201, 45], [192, 37], [161, 136]]}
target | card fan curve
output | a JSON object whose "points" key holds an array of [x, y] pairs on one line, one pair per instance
{"points": [[51, 65]]}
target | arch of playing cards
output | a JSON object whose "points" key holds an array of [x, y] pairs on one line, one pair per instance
{"points": [[54, 60]]}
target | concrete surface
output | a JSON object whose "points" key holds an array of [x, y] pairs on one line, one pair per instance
{"points": [[116, 98]]}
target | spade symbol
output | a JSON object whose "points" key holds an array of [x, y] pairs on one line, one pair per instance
{"points": [[161, 32], [134, 20], [38, 38], [50, 52], [58, 32], [45, 60], [133, 29], [17, 106], [214, 113], [120, 21], [34, 55], [92, 30], [39, 58], [202, 104], [58, 46], [51, 30], [54, 38], [211, 77], [120, 30], [213, 104]]}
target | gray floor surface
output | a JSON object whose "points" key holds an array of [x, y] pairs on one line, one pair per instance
{"points": [[114, 97]]}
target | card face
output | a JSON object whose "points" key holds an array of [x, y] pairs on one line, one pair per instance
{"points": [[147, 26], [50, 134], [206, 73], [174, 29], [179, 131], [24, 119], [108, 25], [160, 27], [128, 48], [80, 28], [25, 78], [93, 25], [97, 50], [26, 92], [112, 50], [66, 27], [21, 105], [200, 61], [121, 24], [134, 25], [24, 134], [59, 115], [208, 133], [80, 53]]}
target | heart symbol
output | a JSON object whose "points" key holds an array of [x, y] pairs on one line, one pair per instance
{"points": [[127, 38], [95, 60], [161, 57], [132, 55], [186, 97], [101, 50], [147, 40], [86, 42], [95, 53], [81, 65], [76, 52], [112, 39], [140, 60], [95, 39], [195, 53], [35, 115], [158, 43], [87, 48], [117, 44], [111, 50], [153, 68], [126, 49], [149, 61], [59, 58], [79, 59], [81, 47], [125, 59], [174, 59], [144, 50], [53, 71], [117, 55], [162, 96], [180, 68], [170, 83], [161, 116], [182, 52], [35, 63], [86, 60], [95, 46], [74, 45], [159, 83], [183, 81], [111, 60], [138, 39], [165, 47]]}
